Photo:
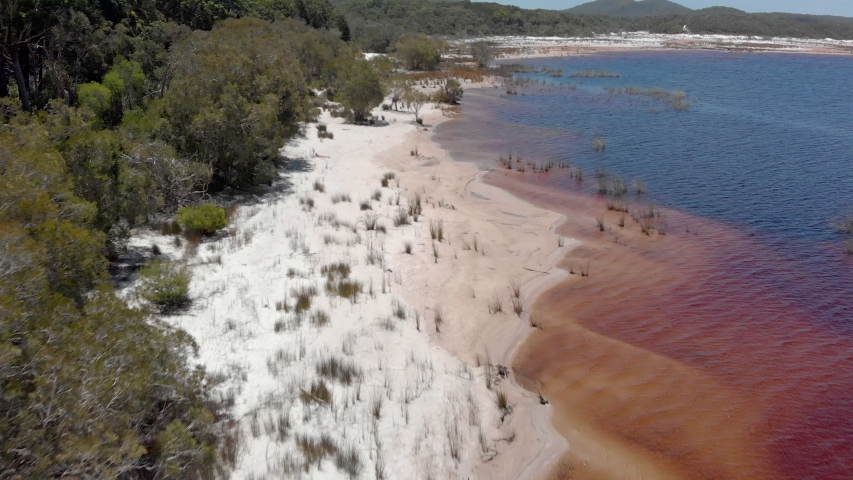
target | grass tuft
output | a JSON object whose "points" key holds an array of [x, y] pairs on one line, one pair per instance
{"points": [[401, 218], [495, 303], [436, 229], [338, 369]]}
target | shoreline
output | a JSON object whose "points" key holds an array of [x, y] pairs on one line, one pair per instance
{"points": [[410, 379], [523, 47]]}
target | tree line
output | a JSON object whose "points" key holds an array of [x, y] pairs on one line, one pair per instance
{"points": [[112, 113], [378, 24]]}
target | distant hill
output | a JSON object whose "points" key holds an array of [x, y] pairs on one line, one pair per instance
{"points": [[629, 8]]}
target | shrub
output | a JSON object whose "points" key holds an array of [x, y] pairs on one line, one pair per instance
{"points": [[203, 219], [165, 285]]}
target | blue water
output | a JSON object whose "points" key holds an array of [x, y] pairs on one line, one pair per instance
{"points": [[767, 142]]}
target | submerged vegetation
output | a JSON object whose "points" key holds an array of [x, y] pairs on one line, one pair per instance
{"points": [[595, 74], [675, 99]]}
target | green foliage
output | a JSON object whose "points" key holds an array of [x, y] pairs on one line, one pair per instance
{"points": [[450, 93], [361, 90], [199, 14], [237, 94], [629, 8], [380, 23], [205, 219], [165, 285], [419, 53], [79, 392], [95, 97]]}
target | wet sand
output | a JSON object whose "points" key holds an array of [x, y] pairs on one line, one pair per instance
{"points": [[677, 359]]}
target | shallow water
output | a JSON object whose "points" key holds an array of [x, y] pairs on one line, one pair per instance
{"points": [[723, 349]]}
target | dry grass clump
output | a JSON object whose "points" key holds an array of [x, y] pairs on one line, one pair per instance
{"points": [[318, 392], [517, 305], [640, 187], [337, 269], [534, 319], [338, 369], [387, 178], [599, 144], [436, 230], [348, 461], [344, 287], [515, 288], [618, 186], [618, 204], [315, 450], [415, 207], [319, 186], [320, 318], [341, 197], [599, 222], [407, 247], [306, 202], [377, 195], [304, 296], [401, 218], [371, 221], [438, 317], [365, 205], [502, 401], [398, 309], [495, 303]]}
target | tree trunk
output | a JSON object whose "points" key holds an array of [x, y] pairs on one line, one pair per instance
{"points": [[23, 91], [4, 81]]}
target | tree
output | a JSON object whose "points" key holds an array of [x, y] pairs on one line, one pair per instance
{"points": [[415, 101], [482, 53], [237, 95], [362, 89], [419, 53], [397, 87], [450, 93]]}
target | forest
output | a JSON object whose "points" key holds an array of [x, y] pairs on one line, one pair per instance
{"points": [[377, 23], [112, 113]]}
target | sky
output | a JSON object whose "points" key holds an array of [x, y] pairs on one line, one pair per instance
{"points": [[815, 7]]}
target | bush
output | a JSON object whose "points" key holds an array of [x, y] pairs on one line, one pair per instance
{"points": [[419, 53], [204, 219], [165, 285], [451, 93]]}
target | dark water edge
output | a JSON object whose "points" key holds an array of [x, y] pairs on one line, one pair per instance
{"points": [[758, 297]]}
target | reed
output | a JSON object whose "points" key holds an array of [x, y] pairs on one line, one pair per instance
{"points": [[640, 187], [599, 144], [319, 186], [618, 186], [599, 221]]}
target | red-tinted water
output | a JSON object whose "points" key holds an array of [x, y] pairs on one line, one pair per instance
{"points": [[709, 354]]}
